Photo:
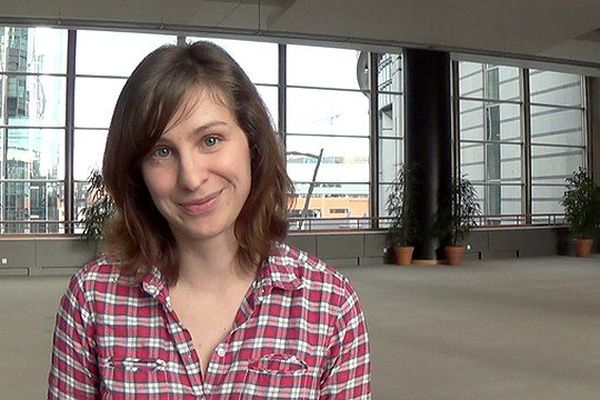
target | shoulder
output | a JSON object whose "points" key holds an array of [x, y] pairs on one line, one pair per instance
{"points": [[317, 277], [99, 276]]}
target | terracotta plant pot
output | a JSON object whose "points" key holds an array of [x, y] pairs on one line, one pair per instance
{"points": [[454, 254], [583, 247], [403, 255]]}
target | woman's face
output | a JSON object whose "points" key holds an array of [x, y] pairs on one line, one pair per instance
{"points": [[199, 173]]}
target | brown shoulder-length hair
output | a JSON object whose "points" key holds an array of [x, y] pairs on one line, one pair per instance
{"points": [[138, 235]]}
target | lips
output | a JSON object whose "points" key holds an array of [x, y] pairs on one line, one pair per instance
{"points": [[200, 206]]}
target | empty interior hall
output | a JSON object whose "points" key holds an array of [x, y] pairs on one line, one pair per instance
{"points": [[503, 93]]}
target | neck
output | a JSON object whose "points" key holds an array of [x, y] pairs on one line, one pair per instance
{"points": [[211, 263]]}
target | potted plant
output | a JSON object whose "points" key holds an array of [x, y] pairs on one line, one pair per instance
{"points": [[581, 201], [403, 230], [100, 208], [457, 219]]}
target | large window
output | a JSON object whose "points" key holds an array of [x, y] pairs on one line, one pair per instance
{"points": [[340, 112], [557, 135], [32, 108], [493, 139], [327, 137]]}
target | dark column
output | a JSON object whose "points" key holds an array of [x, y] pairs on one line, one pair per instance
{"points": [[427, 106]]}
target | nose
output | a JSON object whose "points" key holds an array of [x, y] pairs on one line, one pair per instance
{"points": [[193, 172]]}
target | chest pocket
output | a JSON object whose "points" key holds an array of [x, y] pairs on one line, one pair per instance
{"points": [[133, 378], [278, 376]]}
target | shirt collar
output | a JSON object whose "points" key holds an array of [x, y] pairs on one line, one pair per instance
{"points": [[280, 269], [154, 283]]}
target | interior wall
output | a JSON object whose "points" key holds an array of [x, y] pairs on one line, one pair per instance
{"points": [[594, 126], [38, 256]]}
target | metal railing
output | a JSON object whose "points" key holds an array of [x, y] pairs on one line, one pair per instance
{"points": [[63, 227]]}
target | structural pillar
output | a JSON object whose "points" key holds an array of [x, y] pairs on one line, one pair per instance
{"points": [[428, 141]]}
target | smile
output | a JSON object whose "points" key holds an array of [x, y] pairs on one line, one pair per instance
{"points": [[200, 206]]}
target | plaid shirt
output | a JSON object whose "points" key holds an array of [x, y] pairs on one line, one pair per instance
{"points": [[300, 333]]}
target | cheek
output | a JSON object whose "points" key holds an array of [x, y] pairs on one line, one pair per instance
{"points": [[156, 183]]}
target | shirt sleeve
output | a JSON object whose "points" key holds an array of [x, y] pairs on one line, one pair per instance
{"points": [[74, 369], [348, 375]]}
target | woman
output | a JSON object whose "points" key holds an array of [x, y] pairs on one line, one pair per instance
{"points": [[197, 297]]}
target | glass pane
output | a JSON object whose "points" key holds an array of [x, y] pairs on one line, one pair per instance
{"points": [[384, 192], [557, 88], [391, 157], [485, 162], [259, 60], [390, 115], [546, 199], [323, 67], [89, 150], [32, 201], [342, 205], [270, 97], [343, 160], [496, 200], [95, 100], [389, 71], [80, 201], [554, 164], [115, 53], [34, 100], [35, 154], [557, 126], [35, 50], [472, 161], [488, 81], [328, 112], [490, 121]]}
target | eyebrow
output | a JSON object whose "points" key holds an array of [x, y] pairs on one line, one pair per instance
{"points": [[205, 127], [197, 131]]}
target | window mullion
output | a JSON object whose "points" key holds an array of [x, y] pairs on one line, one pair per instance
{"points": [[70, 132]]}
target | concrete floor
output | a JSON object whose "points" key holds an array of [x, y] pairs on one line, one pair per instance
{"points": [[518, 329]]}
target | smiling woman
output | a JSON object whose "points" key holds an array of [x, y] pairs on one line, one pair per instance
{"points": [[196, 295]]}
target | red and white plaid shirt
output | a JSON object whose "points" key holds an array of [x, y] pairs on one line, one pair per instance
{"points": [[300, 333]]}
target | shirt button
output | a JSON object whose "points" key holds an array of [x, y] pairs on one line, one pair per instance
{"points": [[220, 351]]}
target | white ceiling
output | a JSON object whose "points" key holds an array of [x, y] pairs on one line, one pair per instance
{"points": [[555, 30]]}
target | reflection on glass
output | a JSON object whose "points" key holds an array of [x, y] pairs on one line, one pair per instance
{"points": [[328, 112], [551, 125], [95, 100], [322, 67], [115, 53], [556, 88], [33, 50], [259, 60]]}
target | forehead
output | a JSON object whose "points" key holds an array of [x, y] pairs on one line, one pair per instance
{"points": [[197, 102]]}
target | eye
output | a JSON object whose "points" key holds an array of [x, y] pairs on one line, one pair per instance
{"points": [[161, 152], [211, 140]]}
